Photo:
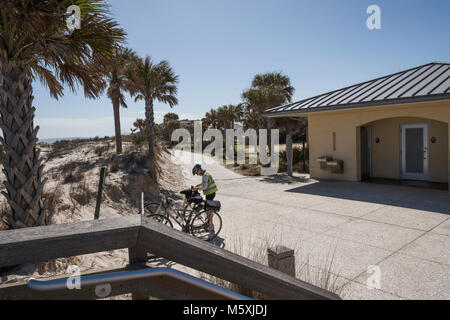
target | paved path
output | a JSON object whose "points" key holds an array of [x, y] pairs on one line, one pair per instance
{"points": [[405, 231]]}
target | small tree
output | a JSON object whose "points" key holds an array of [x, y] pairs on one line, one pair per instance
{"points": [[170, 117], [170, 124], [153, 82], [138, 136], [268, 90]]}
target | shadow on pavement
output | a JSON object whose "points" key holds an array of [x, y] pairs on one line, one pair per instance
{"points": [[284, 179], [218, 241], [394, 195]]}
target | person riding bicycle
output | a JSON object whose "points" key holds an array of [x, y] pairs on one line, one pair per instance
{"points": [[209, 188]]}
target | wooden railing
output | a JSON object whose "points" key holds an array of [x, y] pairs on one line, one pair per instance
{"points": [[58, 241]]}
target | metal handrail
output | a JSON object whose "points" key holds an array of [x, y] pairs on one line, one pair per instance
{"points": [[109, 278]]}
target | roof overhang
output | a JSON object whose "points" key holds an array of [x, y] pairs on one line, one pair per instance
{"points": [[388, 103], [429, 82]]}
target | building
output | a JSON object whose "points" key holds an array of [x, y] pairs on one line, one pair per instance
{"points": [[393, 127]]}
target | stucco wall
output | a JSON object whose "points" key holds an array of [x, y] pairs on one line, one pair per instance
{"points": [[346, 124], [386, 162]]}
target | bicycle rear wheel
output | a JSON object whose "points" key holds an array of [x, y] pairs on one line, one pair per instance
{"points": [[161, 219], [202, 229]]}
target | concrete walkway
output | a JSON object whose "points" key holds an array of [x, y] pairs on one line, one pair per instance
{"points": [[340, 229]]}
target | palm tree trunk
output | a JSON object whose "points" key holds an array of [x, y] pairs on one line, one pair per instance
{"points": [[116, 107], [149, 123], [266, 124], [22, 166], [269, 125]]}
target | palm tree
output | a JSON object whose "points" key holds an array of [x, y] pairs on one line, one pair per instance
{"points": [[139, 124], [268, 90], [250, 119], [116, 75], [170, 124], [227, 115], [35, 42], [211, 119], [153, 82], [170, 117]]}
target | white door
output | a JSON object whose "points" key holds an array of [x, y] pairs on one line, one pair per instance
{"points": [[414, 151]]}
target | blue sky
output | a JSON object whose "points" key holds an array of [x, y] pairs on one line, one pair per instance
{"points": [[216, 47]]}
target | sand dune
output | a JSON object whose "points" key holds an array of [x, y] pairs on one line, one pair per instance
{"points": [[73, 169]]}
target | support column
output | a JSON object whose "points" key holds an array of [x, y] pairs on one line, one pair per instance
{"points": [[289, 154], [448, 157], [138, 255]]}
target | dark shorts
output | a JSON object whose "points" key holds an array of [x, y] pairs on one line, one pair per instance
{"points": [[211, 196]]}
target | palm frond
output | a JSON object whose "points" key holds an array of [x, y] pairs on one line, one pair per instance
{"points": [[35, 34]]}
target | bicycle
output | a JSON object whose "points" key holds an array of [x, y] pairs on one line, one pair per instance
{"points": [[192, 217]]}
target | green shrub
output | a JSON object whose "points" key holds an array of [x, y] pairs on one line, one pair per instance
{"points": [[138, 139], [297, 155], [99, 151]]}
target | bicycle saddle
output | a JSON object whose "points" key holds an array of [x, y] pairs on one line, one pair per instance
{"points": [[213, 204]]}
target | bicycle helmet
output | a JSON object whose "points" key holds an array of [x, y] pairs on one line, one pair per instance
{"points": [[196, 168]]}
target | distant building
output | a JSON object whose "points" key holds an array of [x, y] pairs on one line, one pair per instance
{"points": [[186, 122], [392, 127], [238, 126]]}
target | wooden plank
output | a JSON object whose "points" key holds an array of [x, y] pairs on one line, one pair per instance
{"points": [[59, 241], [189, 251], [50, 242]]}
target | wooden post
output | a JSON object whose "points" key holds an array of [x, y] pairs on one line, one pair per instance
{"points": [[282, 259], [138, 255], [99, 193]]}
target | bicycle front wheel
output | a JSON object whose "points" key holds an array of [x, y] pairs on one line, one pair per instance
{"points": [[206, 225]]}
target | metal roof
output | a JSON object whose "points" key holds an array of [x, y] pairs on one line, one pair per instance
{"points": [[423, 83]]}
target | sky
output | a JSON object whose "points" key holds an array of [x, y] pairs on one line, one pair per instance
{"points": [[217, 47]]}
